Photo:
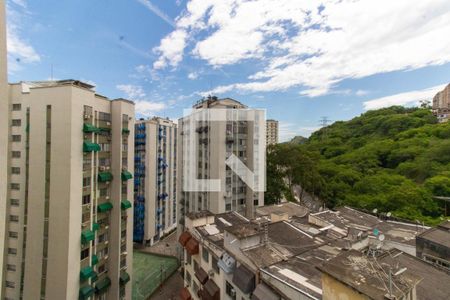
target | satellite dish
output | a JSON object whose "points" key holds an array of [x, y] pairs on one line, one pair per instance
{"points": [[375, 210], [376, 232], [381, 237], [388, 214]]}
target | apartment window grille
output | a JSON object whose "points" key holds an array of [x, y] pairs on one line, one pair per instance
{"points": [[102, 238], [230, 291], [13, 234], [86, 181], [15, 170], [16, 138], [101, 268], [104, 116], [85, 217], [188, 278], [86, 199], [14, 202], [12, 251], [205, 254], [84, 253], [10, 284], [11, 268], [103, 192], [14, 218], [16, 122], [214, 261], [16, 154], [16, 107]]}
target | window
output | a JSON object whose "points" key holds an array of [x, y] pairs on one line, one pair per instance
{"points": [[15, 170], [102, 253], [14, 202], [85, 217], [102, 238], [188, 258], [16, 122], [86, 181], [10, 284], [13, 235], [86, 199], [105, 146], [214, 261], [16, 138], [255, 202], [12, 251], [230, 291], [104, 192], [16, 154], [195, 287], [205, 254], [228, 206], [188, 278], [14, 218], [11, 268], [104, 116], [101, 268], [84, 253], [195, 265], [241, 201], [15, 186], [16, 107]]}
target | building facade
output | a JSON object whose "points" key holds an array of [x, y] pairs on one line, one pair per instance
{"points": [[271, 132], [215, 142], [441, 105], [433, 246], [155, 212], [67, 193]]}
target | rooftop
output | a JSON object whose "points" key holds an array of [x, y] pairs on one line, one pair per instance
{"points": [[199, 214], [370, 276], [290, 208], [438, 235]]}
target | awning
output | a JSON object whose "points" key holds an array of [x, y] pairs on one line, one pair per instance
{"points": [[94, 259], [125, 204], [87, 236], [126, 175], [184, 238], [124, 277], [104, 207], [94, 277], [95, 226], [210, 291], [89, 147], [104, 176], [184, 294], [125, 131], [263, 292], [201, 275], [86, 273], [192, 246], [244, 279], [102, 285], [104, 128], [86, 292], [89, 128]]}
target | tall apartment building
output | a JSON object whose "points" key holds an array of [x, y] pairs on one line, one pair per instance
{"points": [[69, 160], [215, 142], [441, 105], [271, 132], [155, 186]]}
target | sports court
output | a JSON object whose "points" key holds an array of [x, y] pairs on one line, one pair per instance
{"points": [[149, 271]]}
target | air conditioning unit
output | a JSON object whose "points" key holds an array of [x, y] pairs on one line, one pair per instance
{"points": [[233, 293], [106, 242], [107, 226], [124, 253], [106, 257], [107, 167], [107, 197], [108, 123], [102, 168]]}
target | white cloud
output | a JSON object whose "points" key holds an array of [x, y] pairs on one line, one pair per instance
{"points": [[170, 49], [153, 8], [132, 92], [361, 93], [193, 75], [19, 49], [311, 45], [287, 131], [148, 108], [407, 98]]}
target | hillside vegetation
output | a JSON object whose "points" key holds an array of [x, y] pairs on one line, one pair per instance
{"points": [[393, 159]]}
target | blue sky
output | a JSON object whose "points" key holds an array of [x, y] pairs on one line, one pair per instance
{"points": [[300, 60]]}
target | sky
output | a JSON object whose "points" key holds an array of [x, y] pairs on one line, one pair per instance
{"points": [[301, 60]]}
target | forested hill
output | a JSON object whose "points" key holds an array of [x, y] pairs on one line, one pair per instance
{"points": [[393, 159]]}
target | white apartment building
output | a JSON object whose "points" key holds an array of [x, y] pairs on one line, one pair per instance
{"points": [[216, 141], [68, 223], [155, 187], [271, 132]]}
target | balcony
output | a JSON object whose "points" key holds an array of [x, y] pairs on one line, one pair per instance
{"points": [[89, 128], [105, 176]]}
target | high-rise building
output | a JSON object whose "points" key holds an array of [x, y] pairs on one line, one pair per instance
{"points": [[155, 212], [3, 133], [67, 192], [441, 105], [271, 132], [215, 142]]}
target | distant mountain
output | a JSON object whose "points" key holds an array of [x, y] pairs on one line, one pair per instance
{"points": [[298, 140]]}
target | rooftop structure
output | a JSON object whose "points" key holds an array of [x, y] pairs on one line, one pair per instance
{"points": [[433, 245], [441, 105]]}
